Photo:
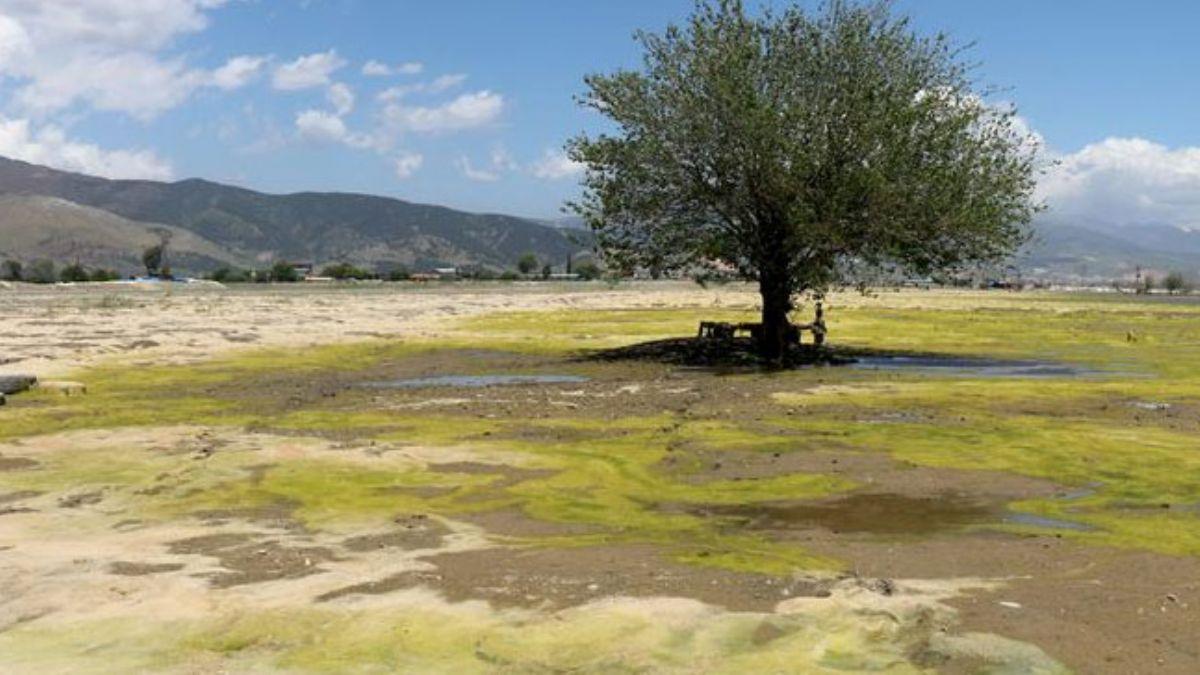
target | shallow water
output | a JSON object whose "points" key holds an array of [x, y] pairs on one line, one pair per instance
{"points": [[473, 381], [878, 513], [883, 513], [955, 365], [1048, 523]]}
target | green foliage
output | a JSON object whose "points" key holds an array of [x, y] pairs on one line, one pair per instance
{"points": [[547, 270], [11, 270], [152, 258], [398, 274], [343, 271], [283, 272], [41, 272], [74, 273], [101, 274], [229, 275], [1149, 283], [1176, 283], [527, 263], [588, 271], [509, 275], [801, 149]]}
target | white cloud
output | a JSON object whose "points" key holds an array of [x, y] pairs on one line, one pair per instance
{"points": [[322, 126], [341, 97], [308, 71], [318, 125], [374, 68], [445, 82], [407, 164], [1126, 181], [556, 165], [468, 111], [50, 146], [480, 175], [238, 72], [503, 160], [104, 53]]}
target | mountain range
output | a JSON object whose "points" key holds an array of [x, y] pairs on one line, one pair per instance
{"points": [[66, 217], [47, 213]]}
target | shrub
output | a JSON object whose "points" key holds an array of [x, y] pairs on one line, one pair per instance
{"points": [[101, 274], [229, 275], [346, 271], [527, 263], [509, 275], [398, 274], [588, 271], [1176, 283], [11, 270], [42, 272], [74, 273], [284, 272]]}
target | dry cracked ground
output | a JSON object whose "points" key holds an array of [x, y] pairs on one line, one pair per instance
{"points": [[447, 479]]}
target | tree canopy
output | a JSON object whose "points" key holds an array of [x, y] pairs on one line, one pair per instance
{"points": [[801, 149]]}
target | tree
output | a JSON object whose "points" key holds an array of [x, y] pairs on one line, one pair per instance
{"points": [[801, 150], [74, 273], [41, 272], [342, 271], [588, 271], [1148, 284], [527, 263], [1175, 282], [11, 270], [284, 272], [152, 258]]}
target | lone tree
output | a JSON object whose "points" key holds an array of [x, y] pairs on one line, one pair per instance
{"points": [[154, 257], [802, 149], [527, 263], [1176, 283]]}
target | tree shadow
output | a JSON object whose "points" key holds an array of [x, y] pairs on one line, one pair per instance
{"points": [[709, 353]]}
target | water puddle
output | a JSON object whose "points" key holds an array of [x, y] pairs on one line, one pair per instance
{"points": [[882, 514], [473, 381], [955, 365], [878, 513], [1047, 523]]}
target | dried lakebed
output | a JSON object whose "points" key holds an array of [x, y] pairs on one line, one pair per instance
{"points": [[269, 513]]}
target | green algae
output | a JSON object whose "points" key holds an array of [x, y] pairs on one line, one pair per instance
{"points": [[1070, 430], [419, 634]]}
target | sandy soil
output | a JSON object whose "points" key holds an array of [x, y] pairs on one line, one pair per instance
{"points": [[49, 331]]}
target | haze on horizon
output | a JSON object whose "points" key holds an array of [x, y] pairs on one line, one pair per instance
{"points": [[468, 104]]}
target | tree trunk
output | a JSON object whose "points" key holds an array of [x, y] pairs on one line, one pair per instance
{"points": [[776, 295]]}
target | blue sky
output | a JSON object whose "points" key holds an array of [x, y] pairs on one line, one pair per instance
{"points": [[467, 103]]}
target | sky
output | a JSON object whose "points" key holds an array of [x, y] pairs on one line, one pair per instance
{"points": [[467, 103]]}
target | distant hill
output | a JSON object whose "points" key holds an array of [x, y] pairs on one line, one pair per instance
{"points": [[34, 227], [1063, 249], [315, 227]]}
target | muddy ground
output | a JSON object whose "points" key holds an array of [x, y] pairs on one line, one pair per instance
{"points": [[353, 491]]}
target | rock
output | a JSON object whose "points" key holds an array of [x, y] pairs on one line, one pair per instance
{"points": [[64, 388], [15, 384]]}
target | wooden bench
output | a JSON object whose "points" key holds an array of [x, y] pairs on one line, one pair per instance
{"points": [[724, 331]]}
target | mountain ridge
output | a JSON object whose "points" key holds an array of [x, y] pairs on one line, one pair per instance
{"points": [[318, 227]]}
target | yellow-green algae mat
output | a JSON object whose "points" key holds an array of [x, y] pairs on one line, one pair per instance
{"points": [[1075, 431]]}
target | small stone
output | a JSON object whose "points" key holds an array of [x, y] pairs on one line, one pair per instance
{"points": [[1009, 604]]}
